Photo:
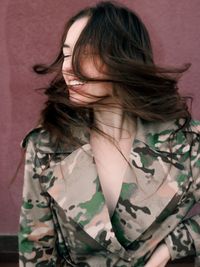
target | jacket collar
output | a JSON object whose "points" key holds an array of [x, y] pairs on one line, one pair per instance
{"points": [[154, 134]]}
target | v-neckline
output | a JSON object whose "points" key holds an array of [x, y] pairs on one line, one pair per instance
{"points": [[123, 182]]}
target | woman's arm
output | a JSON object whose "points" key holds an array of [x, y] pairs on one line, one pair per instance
{"points": [[184, 240], [37, 235]]}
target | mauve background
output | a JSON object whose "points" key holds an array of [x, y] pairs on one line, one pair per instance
{"points": [[30, 33]]}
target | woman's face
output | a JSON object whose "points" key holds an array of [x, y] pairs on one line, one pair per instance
{"points": [[74, 85]]}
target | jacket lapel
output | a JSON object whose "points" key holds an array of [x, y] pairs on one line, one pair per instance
{"points": [[78, 192], [151, 188]]}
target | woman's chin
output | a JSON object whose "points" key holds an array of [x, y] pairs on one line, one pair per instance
{"points": [[79, 101]]}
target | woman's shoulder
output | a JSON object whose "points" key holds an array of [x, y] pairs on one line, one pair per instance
{"points": [[44, 142], [35, 135], [192, 126], [40, 139], [195, 126]]}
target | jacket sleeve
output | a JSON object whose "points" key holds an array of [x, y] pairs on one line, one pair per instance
{"points": [[37, 235], [184, 240]]}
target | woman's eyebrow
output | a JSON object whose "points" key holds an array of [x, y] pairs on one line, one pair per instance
{"points": [[66, 45]]}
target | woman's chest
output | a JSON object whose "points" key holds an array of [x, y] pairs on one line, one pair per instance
{"points": [[111, 167]]}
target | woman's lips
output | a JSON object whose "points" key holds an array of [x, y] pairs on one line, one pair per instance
{"points": [[74, 88]]}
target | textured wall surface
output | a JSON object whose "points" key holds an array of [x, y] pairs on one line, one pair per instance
{"points": [[30, 33]]}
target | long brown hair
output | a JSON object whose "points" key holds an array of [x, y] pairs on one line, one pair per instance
{"points": [[120, 39]]}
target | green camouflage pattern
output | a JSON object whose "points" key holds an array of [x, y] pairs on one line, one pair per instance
{"points": [[64, 219]]}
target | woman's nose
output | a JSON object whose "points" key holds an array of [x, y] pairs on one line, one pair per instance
{"points": [[67, 65]]}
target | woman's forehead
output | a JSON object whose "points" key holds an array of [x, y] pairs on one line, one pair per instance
{"points": [[74, 32]]}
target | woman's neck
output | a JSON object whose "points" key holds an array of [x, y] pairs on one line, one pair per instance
{"points": [[113, 122]]}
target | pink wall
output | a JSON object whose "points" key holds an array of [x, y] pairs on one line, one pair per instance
{"points": [[30, 32]]}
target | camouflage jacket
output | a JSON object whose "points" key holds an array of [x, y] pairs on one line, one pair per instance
{"points": [[64, 220]]}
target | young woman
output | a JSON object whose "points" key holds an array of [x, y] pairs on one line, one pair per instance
{"points": [[112, 169]]}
